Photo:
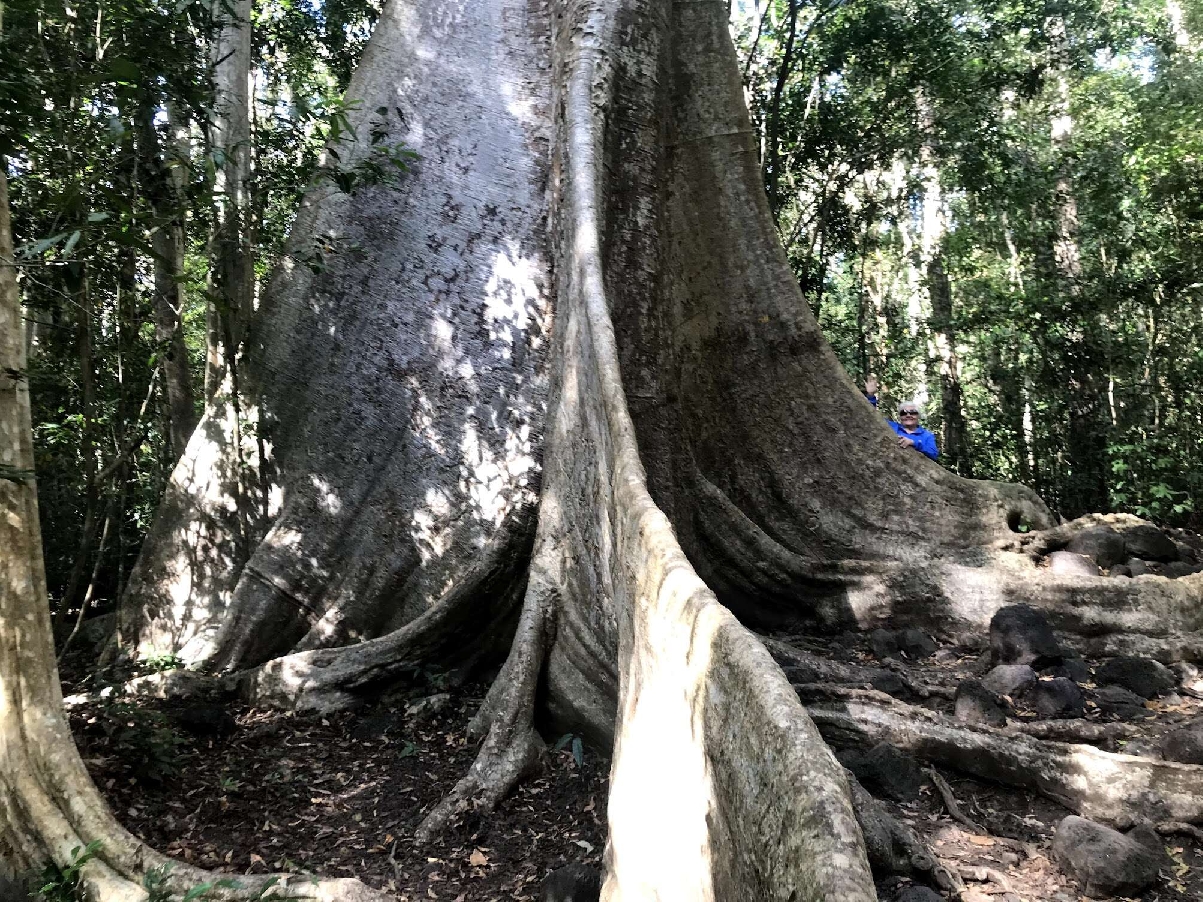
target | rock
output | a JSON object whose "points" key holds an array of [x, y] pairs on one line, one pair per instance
{"points": [[1020, 634], [1185, 744], [1101, 544], [1073, 564], [890, 683], [1151, 840], [429, 706], [205, 720], [574, 883], [800, 673], [886, 771], [1103, 860], [1137, 567], [1186, 673], [918, 894], [916, 644], [1144, 676], [974, 703], [1150, 543], [1121, 570], [1174, 569], [1009, 679], [1056, 698], [1118, 702], [373, 726], [884, 643], [1073, 669]]}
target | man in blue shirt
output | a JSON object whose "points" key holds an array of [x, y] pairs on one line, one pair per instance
{"points": [[911, 434]]}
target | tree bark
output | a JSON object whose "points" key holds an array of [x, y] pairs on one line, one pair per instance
{"points": [[233, 272], [165, 189]]}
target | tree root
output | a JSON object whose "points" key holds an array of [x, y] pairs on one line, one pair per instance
{"points": [[894, 849], [1091, 782], [817, 669], [1104, 735], [951, 804], [512, 748]]}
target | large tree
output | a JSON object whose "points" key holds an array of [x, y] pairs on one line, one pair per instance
{"points": [[559, 393]]}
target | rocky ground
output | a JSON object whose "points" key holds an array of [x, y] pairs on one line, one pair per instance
{"points": [[1003, 845]]}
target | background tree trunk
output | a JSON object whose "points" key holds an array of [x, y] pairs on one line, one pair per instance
{"points": [[233, 274]]}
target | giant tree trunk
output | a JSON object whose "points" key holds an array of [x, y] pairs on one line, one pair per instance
{"points": [[560, 392]]}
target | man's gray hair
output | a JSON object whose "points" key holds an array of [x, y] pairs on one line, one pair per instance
{"points": [[906, 405]]}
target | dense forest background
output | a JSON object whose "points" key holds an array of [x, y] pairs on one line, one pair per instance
{"points": [[995, 207]]}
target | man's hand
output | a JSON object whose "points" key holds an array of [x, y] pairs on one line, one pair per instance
{"points": [[904, 442], [871, 386]]}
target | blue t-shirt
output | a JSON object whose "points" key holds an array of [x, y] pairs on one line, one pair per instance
{"points": [[924, 441]]}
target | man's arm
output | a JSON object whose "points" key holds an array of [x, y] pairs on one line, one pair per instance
{"points": [[926, 443]]}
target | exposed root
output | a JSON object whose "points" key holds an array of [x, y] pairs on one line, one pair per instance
{"points": [[894, 849], [512, 748], [333, 679], [1094, 783], [804, 667], [1104, 735], [1169, 828], [950, 803]]}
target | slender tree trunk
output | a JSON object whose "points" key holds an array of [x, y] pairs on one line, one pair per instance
{"points": [[82, 294], [233, 273], [772, 154], [165, 189]]}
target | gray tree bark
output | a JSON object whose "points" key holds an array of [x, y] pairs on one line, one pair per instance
{"points": [[233, 267], [559, 393]]}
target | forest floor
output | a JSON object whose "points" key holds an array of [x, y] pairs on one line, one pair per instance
{"points": [[250, 791], [1018, 825]]}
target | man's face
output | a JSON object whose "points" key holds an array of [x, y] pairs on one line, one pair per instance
{"points": [[908, 416]]}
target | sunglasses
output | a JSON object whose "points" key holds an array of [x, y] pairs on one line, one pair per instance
{"points": [[908, 413]]}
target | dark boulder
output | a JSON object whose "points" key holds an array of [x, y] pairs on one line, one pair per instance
{"points": [[1117, 702], [1101, 544], [885, 771], [884, 643], [1056, 698], [1072, 669], [1103, 860], [976, 704], [1009, 679], [1174, 569], [1137, 567], [1021, 634], [1185, 744], [1071, 564], [918, 894], [891, 684], [574, 883], [1121, 570], [1144, 676], [205, 721], [801, 673], [1150, 543], [916, 644]]}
